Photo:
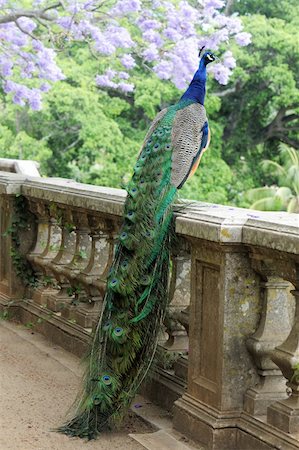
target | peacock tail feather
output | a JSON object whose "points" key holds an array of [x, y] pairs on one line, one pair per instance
{"points": [[125, 339]]}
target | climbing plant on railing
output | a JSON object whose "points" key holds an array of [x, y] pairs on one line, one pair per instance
{"points": [[20, 223]]}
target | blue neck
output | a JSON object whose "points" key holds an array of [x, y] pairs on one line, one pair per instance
{"points": [[197, 88]]}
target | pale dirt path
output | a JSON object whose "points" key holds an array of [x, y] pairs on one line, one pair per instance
{"points": [[38, 383]]}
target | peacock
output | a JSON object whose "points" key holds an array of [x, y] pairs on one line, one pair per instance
{"points": [[125, 338]]}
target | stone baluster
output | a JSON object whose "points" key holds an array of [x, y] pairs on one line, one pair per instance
{"points": [[179, 293], [47, 245], [41, 212], [57, 301], [82, 253], [53, 245], [273, 328], [79, 261], [93, 276], [284, 414]]}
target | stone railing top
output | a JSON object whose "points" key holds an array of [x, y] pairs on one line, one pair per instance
{"points": [[21, 166], [218, 223]]}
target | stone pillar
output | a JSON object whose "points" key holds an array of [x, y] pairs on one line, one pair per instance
{"points": [[284, 414], [58, 300], [224, 311], [11, 286], [93, 276], [48, 241], [273, 329]]}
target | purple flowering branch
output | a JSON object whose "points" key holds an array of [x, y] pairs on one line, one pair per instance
{"points": [[14, 15], [166, 39]]}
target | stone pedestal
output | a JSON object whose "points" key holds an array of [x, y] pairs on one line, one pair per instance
{"points": [[285, 415], [224, 311], [87, 313]]}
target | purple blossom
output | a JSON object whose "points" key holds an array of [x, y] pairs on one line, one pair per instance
{"points": [[172, 34], [6, 66], [232, 23], [37, 45], [125, 87], [217, 4], [151, 53], [119, 37], [45, 87], [110, 73], [128, 61], [124, 7], [65, 22], [148, 24], [228, 60], [123, 75], [11, 34], [221, 73], [26, 24], [243, 39], [22, 94], [35, 101], [153, 37], [164, 70], [104, 81]]}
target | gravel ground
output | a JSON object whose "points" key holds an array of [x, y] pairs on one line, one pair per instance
{"points": [[38, 384]]}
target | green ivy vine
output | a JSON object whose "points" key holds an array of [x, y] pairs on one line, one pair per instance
{"points": [[19, 224]]}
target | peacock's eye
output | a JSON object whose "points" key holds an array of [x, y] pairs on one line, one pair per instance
{"points": [[107, 325], [106, 379], [118, 331]]}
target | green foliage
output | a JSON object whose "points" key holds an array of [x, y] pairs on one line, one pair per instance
{"points": [[210, 182], [285, 197], [260, 106], [4, 314], [295, 377]]}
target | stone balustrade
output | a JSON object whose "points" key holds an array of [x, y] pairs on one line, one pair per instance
{"points": [[234, 302]]}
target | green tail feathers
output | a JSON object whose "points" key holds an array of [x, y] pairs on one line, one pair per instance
{"points": [[134, 306]]}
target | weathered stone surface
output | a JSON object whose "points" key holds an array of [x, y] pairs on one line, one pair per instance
{"points": [[24, 167]]}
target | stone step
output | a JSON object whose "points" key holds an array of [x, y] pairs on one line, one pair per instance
{"points": [[161, 440], [165, 438]]}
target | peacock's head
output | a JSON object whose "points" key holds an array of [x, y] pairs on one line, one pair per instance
{"points": [[207, 57]]}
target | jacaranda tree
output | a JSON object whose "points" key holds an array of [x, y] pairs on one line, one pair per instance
{"points": [[163, 35]]}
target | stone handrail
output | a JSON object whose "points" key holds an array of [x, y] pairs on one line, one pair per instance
{"points": [[234, 286], [21, 166]]}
